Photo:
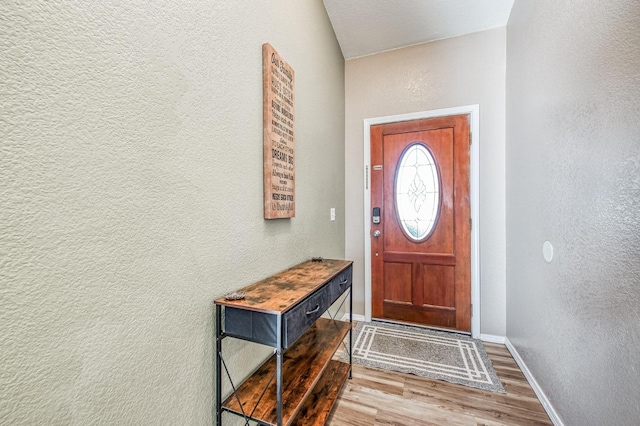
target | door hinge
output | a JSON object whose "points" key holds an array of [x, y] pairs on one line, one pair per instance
{"points": [[470, 138], [366, 177], [470, 223]]}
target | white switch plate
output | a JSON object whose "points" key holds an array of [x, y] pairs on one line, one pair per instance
{"points": [[332, 214]]}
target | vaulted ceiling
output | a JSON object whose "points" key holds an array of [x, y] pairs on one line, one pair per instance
{"points": [[365, 27]]}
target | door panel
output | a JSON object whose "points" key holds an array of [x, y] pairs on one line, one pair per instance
{"points": [[398, 280], [438, 295], [423, 280]]}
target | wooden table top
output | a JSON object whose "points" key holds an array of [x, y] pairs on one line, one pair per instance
{"points": [[280, 292]]}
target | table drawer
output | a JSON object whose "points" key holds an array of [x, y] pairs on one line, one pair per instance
{"points": [[339, 284], [300, 318], [257, 327]]}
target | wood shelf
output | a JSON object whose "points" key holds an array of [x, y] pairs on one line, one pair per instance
{"points": [[317, 407], [303, 366]]}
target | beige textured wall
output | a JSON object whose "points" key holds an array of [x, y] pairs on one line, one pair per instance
{"points": [[573, 178], [131, 195], [448, 73]]}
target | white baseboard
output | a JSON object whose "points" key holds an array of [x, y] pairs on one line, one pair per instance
{"points": [[492, 338], [356, 317], [534, 384]]}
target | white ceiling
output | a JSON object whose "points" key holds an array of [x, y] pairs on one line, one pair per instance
{"points": [[364, 27]]}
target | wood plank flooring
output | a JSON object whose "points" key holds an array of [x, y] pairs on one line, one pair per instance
{"points": [[379, 397]]}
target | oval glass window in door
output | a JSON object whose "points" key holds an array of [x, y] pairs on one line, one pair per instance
{"points": [[417, 192]]}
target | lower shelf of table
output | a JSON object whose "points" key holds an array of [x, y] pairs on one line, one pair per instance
{"points": [[307, 375], [317, 407]]}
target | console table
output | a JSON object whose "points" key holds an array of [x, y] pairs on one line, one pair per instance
{"points": [[300, 383]]}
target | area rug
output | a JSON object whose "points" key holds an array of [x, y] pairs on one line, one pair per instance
{"points": [[452, 357]]}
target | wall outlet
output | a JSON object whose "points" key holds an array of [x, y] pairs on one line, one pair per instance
{"points": [[332, 214]]}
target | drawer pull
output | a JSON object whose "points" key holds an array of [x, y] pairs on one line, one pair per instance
{"points": [[344, 281], [314, 310]]}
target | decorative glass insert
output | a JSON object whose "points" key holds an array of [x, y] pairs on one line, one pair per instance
{"points": [[417, 192]]}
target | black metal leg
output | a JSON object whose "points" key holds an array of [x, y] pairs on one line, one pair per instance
{"points": [[279, 369], [351, 332], [218, 365]]}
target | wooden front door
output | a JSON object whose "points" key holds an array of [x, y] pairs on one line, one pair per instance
{"points": [[420, 249]]}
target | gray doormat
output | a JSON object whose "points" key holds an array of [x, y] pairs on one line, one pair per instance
{"points": [[451, 357]]}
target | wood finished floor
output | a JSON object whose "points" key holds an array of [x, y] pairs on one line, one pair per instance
{"points": [[379, 397]]}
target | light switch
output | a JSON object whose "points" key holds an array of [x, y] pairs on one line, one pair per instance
{"points": [[332, 214]]}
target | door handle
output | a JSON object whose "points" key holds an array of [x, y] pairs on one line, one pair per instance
{"points": [[377, 233]]}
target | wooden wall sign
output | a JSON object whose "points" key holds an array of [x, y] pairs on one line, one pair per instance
{"points": [[278, 83]]}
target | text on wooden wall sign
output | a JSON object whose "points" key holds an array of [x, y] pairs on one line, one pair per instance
{"points": [[278, 82]]}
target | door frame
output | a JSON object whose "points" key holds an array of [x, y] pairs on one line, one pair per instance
{"points": [[474, 194]]}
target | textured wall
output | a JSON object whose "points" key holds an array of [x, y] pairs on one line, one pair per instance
{"points": [[448, 73], [573, 178], [131, 195]]}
